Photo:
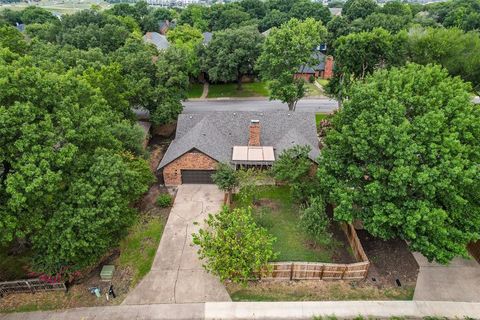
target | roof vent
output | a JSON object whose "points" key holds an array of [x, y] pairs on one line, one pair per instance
{"points": [[255, 121], [288, 114], [191, 117], [234, 113]]}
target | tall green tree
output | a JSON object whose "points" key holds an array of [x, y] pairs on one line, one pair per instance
{"points": [[67, 182], [354, 9], [232, 54], [284, 51], [403, 156], [12, 39], [451, 48]]}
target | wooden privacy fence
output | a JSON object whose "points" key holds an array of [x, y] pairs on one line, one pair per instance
{"points": [[323, 271], [315, 271], [354, 242], [31, 286]]}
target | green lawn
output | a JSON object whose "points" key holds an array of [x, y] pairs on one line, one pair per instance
{"points": [[138, 249], [63, 7], [319, 291], [322, 82], [195, 90], [254, 89], [280, 216], [319, 117], [312, 90]]}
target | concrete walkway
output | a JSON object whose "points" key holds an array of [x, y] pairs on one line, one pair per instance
{"points": [[177, 275], [263, 310], [458, 281]]}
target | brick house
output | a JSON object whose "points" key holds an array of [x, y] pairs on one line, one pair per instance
{"points": [[241, 139], [323, 68]]}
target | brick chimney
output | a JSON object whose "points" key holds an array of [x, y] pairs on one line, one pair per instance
{"points": [[328, 73], [254, 138]]}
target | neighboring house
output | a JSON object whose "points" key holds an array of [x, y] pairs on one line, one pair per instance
{"points": [[323, 68], [207, 37], [242, 139], [20, 27], [266, 32], [164, 26], [158, 40], [335, 11], [145, 125]]}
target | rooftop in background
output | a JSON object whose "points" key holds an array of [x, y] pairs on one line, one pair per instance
{"points": [[207, 37], [335, 11], [217, 133], [158, 40]]}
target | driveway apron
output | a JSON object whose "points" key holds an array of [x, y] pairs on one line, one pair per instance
{"points": [[458, 281], [177, 275]]}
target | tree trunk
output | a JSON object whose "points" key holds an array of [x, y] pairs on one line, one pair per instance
{"points": [[291, 106], [239, 82]]}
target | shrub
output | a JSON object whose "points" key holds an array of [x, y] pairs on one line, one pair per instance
{"points": [[316, 222], [225, 177], [233, 245], [311, 79], [164, 200]]}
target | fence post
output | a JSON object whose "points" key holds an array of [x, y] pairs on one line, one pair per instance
{"points": [[322, 269], [29, 287], [344, 271], [291, 271]]}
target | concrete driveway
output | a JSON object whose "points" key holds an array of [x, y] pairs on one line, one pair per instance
{"points": [[458, 281], [177, 275]]}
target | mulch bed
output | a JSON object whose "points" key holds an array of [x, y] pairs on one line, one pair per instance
{"points": [[342, 252], [390, 260]]}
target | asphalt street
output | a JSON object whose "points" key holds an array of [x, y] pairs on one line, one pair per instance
{"points": [[311, 105]]}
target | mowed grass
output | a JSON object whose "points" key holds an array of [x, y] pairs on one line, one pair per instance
{"points": [[319, 117], [254, 89], [195, 90], [280, 216], [65, 7], [322, 82], [315, 291], [138, 249], [312, 90]]}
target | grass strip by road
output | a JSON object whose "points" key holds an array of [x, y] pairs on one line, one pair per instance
{"points": [[315, 291], [229, 90], [195, 90]]}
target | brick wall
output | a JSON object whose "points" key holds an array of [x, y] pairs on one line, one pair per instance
{"points": [[189, 161]]}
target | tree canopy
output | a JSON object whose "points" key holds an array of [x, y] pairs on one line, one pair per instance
{"points": [[284, 51], [67, 179], [232, 53], [403, 156]]}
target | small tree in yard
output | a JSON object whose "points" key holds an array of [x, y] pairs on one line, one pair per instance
{"points": [[284, 51], [293, 166], [233, 246], [316, 222], [225, 178]]}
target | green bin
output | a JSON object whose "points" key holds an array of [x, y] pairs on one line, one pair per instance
{"points": [[107, 272]]}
